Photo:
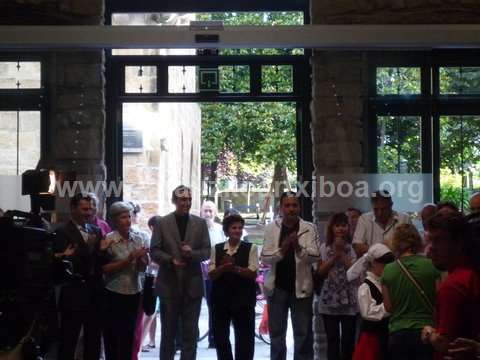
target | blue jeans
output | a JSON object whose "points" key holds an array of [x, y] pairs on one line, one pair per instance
{"points": [[301, 313]]}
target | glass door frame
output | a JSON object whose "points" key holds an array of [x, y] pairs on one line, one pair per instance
{"points": [[301, 96]]}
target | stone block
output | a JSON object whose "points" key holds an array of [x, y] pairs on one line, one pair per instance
{"points": [[87, 145], [81, 119], [337, 154], [84, 75], [88, 7], [81, 98]]}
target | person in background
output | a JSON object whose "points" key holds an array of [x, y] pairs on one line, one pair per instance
{"points": [[353, 216], [408, 288], [95, 219], [138, 338], [378, 225], [447, 207], [475, 203], [136, 209], [79, 302], [290, 247], [125, 259], [150, 322], [456, 249], [180, 242], [373, 341], [233, 211], [428, 211], [208, 211], [338, 297], [233, 268]]}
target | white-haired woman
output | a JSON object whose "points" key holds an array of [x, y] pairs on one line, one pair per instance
{"points": [[373, 341], [126, 257]]}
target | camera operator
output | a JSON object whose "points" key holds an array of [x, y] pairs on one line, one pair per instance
{"points": [[78, 242]]}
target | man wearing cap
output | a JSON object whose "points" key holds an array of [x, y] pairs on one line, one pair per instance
{"points": [[378, 225], [180, 242]]}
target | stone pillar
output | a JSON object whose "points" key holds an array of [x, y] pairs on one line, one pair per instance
{"points": [[75, 86]]}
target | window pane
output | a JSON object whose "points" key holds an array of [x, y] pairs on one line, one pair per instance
{"points": [[182, 79], [28, 141], [277, 78], [398, 81], [234, 79], [399, 144], [140, 79], [459, 80], [20, 75], [459, 158]]}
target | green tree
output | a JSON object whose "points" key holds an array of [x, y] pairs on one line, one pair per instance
{"points": [[250, 140]]}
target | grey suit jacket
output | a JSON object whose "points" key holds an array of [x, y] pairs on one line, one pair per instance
{"points": [[175, 281]]}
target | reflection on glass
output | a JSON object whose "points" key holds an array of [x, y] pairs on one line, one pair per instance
{"points": [[459, 80], [398, 144], [277, 78], [19, 141], [20, 75], [459, 158], [398, 81], [140, 79]]}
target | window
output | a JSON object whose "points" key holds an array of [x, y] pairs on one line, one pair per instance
{"points": [[398, 81], [426, 116], [231, 18], [21, 103], [459, 158], [398, 144]]}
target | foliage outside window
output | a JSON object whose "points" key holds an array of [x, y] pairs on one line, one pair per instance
{"points": [[398, 81], [277, 78], [459, 158], [459, 80], [399, 144]]}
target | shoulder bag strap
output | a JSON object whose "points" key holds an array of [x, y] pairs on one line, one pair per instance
{"points": [[417, 285]]}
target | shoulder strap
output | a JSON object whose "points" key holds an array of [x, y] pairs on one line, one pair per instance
{"points": [[374, 291], [417, 285]]}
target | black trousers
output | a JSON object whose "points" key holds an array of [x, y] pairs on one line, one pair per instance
{"points": [[71, 323], [340, 347], [408, 345], [119, 326], [243, 319]]}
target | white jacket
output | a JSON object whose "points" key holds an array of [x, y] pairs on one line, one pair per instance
{"points": [[309, 254]]}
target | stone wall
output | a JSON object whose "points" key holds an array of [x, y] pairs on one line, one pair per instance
{"points": [[75, 86], [340, 80]]}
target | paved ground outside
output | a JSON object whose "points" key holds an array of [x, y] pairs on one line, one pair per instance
{"points": [[262, 350]]}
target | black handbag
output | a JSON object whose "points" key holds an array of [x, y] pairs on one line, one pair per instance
{"points": [[149, 296]]}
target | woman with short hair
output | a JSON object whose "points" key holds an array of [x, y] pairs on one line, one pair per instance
{"points": [[233, 269], [126, 258], [408, 288]]}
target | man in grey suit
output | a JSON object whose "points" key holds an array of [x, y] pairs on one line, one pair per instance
{"points": [[180, 242]]}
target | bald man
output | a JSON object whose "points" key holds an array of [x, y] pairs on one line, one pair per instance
{"points": [[475, 203]]}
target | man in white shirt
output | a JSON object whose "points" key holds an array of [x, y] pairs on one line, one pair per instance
{"points": [[290, 247], [378, 225]]}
